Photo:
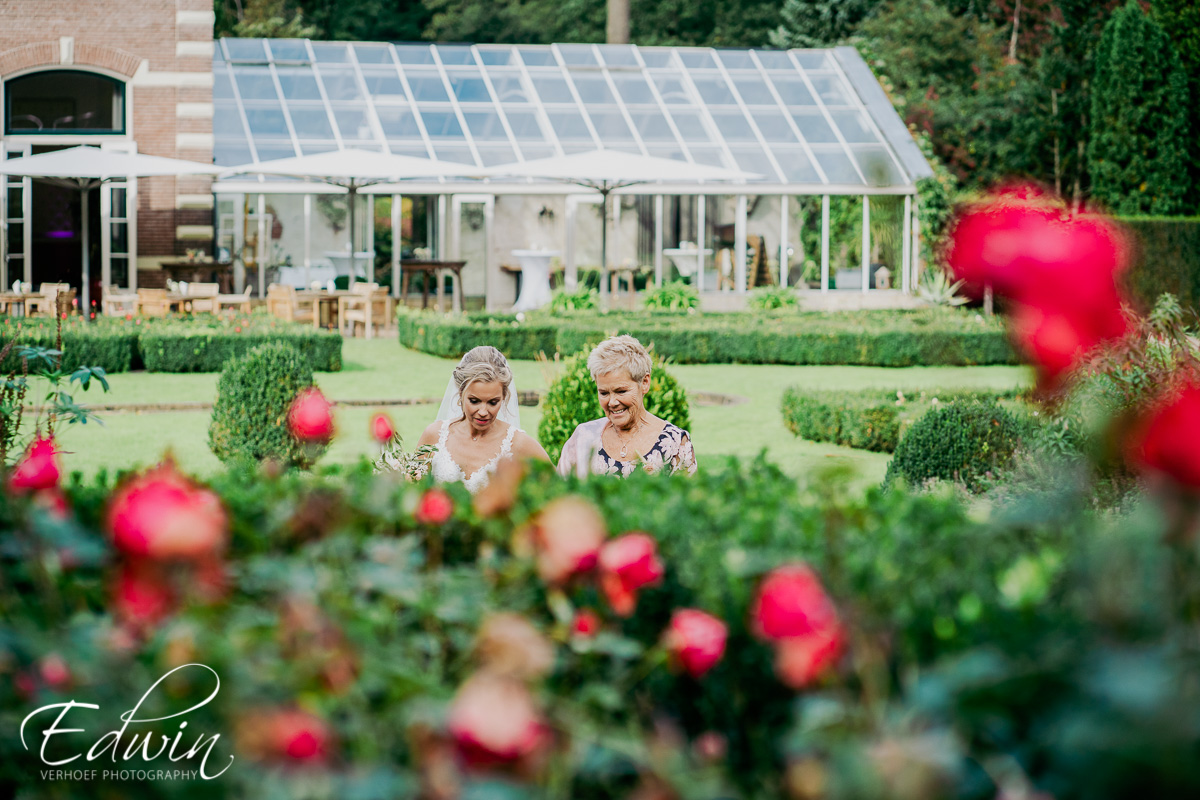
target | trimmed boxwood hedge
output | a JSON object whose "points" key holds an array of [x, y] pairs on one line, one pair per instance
{"points": [[869, 338], [184, 349], [1167, 260], [200, 344], [871, 419]]}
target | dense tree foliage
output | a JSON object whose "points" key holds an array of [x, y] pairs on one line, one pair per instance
{"points": [[1180, 19], [1000, 89], [1136, 152]]}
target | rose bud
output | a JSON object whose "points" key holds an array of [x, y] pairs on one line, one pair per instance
{"points": [[38, 469], [567, 535], [382, 428], [436, 508], [493, 721], [163, 515], [287, 735], [710, 747], [1166, 439], [696, 640], [54, 671], [801, 660], [628, 563], [310, 418], [586, 623], [508, 644], [141, 597], [792, 602]]}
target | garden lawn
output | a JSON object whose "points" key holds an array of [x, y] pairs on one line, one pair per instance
{"points": [[380, 369]]}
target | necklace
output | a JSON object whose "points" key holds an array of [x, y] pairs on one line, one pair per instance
{"points": [[622, 441]]}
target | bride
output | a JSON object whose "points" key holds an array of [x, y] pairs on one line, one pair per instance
{"points": [[478, 423]]}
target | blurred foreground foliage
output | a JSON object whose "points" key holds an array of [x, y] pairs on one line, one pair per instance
{"points": [[995, 646]]}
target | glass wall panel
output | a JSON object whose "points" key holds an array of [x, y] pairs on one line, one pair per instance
{"points": [[577, 54], [254, 84], [340, 83], [384, 86], [610, 125], [773, 125], [692, 126], [288, 50], [298, 83], [426, 85], [733, 126], [499, 56], [525, 125], [633, 88], [310, 121], [441, 124], [246, 49], [736, 59], [509, 86], [796, 165], [569, 125], [753, 89], [813, 127], [538, 56], [657, 56], [353, 123], [373, 54], [792, 90], [469, 87], [485, 126], [398, 122], [774, 59], [330, 52], [652, 126], [853, 126], [837, 166], [266, 120], [592, 88], [697, 59], [830, 89], [414, 54], [455, 55], [618, 55], [492, 154], [552, 88], [714, 90], [673, 90]]}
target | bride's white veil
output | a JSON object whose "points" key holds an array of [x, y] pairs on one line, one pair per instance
{"points": [[451, 409]]}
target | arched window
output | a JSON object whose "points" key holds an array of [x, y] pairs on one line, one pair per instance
{"points": [[64, 101]]}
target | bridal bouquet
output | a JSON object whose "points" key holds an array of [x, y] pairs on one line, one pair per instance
{"points": [[395, 458]]}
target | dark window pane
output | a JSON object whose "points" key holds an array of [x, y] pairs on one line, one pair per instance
{"points": [[64, 101]]}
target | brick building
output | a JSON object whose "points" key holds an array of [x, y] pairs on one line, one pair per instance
{"points": [[118, 74]]}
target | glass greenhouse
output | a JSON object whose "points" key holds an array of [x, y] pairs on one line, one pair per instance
{"points": [[811, 123]]}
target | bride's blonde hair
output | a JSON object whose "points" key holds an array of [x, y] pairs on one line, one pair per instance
{"points": [[483, 364]]}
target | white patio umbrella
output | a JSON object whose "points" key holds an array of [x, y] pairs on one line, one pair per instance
{"points": [[352, 169], [85, 168], [608, 170]]}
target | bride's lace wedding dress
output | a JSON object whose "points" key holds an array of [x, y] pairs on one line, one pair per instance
{"points": [[446, 469]]}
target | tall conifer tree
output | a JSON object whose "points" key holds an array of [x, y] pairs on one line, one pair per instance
{"points": [[1137, 154]]}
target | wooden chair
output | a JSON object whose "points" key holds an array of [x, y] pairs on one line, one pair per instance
{"points": [[368, 304], [117, 301], [45, 302], [239, 301], [284, 302], [203, 297], [153, 302]]}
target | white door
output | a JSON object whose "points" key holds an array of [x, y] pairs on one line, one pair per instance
{"points": [[118, 227], [15, 219]]}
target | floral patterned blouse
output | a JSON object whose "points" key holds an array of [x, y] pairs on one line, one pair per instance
{"points": [[584, 453]]}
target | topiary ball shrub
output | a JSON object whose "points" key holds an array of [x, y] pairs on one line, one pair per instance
{"points": [[963, 442], [571, 401], [254, 394]]}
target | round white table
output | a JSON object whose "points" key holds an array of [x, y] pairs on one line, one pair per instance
{"points": [[686, 260], [535, 278]]}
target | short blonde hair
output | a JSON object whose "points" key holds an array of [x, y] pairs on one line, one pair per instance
{"points": [[482, 364], [620, 352]]}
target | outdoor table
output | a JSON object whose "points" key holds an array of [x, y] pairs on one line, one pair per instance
{"points": [[202, 271], [431, 269], [9, 300], [326, 306], [535, 278]]}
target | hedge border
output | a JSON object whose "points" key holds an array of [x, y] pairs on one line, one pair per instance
{"points": [[179, 350], [869, 419], [710, 339]]}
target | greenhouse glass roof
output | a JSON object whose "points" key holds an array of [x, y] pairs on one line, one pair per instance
{"points": [[808, 121]]}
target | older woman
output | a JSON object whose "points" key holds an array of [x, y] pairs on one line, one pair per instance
{"points": [[627, 435]]}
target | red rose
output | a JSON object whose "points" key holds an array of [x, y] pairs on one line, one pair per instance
{"points": [[54, 671], [801, 660], [141, 597], [435, 508], [628, 563], [585, 624], [696, 640], [1166, 439], [38, 469], [493, 721], [567, 535], [310, 418], [382, 428], [163, 515], [288, 735], [791, 602]]}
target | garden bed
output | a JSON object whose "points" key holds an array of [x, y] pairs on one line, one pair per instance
{"points": [[866, 420], [926, 337], [188, 344]]}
